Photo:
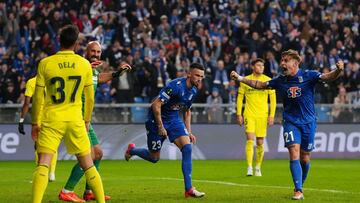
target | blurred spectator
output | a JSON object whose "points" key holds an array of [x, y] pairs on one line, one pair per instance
{"points": [[215, 112], [180, 32], [340, 113]]}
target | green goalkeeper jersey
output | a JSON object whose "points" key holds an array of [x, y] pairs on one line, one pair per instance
{"points": [[95, 77]]}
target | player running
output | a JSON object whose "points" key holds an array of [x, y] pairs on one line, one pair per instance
{"points": [[256, 115], [296, 87], [164, 121]]}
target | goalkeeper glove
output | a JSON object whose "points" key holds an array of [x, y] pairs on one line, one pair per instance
{"points": [[21, 126]]}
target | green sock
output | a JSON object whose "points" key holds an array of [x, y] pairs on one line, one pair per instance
{"points": [[75, 176], [96, 164]]}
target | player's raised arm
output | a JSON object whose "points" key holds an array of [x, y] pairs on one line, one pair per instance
{"points": [[252, 83], [334, 74], [104, 77], [156, 107]]}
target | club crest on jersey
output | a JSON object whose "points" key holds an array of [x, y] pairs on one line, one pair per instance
{"points": [[301, 79], [294, 92]]}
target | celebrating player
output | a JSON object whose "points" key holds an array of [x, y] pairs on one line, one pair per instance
{"points": [[65, 76], [164, 121], [296, 87], [93, 54], [256, 115]]}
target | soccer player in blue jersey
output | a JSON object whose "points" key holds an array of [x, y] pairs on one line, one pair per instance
{"points": [[165, 121], [296, 87]]}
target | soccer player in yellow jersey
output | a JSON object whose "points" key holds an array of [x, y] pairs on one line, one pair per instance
{"points": [[65, 76], [256, 115], [29, 91]]}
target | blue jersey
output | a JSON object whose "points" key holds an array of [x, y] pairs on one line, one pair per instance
{"points": [[175, 96], [297, 93]]}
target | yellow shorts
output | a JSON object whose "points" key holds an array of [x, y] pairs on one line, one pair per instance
{"points": [[256, 125], [74, 133]]}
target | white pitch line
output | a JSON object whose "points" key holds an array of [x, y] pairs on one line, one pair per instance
{"points": [[260, 186]]}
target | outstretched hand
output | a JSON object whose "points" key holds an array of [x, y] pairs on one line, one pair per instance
{"points": [[125, 67], [235, 76]]}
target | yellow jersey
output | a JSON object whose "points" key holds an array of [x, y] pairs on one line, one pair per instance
{"points": [[256, 99], [64, 76], [30, 87]]}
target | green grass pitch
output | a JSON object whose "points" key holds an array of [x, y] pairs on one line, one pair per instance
{"points": [[223, 181]]}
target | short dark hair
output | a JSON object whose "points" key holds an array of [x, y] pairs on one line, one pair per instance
{"points": [[257, 60], [68, 36], [292, 53], [197, 66]]}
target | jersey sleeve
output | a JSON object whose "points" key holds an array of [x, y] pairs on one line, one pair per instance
{"points": [[29, 88], [88, 78], [273, 83], [40, 80], [167, 92], [314, 75]]}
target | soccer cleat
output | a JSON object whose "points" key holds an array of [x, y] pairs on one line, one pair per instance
{"points": [[192, 192], [249, 171], [89, 196], [51, 177], [127, 154], [69, 197], [258, 171], [298, 196]]}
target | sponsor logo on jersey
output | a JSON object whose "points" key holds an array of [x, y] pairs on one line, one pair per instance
{"points": [[294, 92]]}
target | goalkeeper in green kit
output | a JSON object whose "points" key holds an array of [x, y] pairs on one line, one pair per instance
{"points": [[93, 53]]}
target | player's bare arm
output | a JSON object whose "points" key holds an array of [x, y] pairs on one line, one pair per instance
{"points": [[334, 74], [252, 83], [187, 121], [38, 99], [156, 107], [24, 111], [105, 77]]}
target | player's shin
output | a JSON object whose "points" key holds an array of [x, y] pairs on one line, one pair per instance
{"points": [[187, 165], [143, 153], [296, 173], [75, 176], [259, 155], [96, 164], [94, 180], [40, 182], [249, 152], [305, 166]]}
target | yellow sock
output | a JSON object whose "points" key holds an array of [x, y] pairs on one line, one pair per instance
{"points": [[249, 152], [36, 158], [259, 155], [40, 181], [53, 163], [94, 180]]}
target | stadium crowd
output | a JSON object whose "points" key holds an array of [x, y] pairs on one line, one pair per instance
{"points": [[161, 38]]}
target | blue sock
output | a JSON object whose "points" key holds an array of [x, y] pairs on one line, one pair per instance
{"points": [[187, 165], [305, 166], [296, 173], [143, 153]]}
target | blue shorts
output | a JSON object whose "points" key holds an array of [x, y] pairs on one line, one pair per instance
{"points": [[302, 134], [174, 128]]}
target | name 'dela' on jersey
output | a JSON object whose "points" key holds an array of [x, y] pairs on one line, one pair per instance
{"points": [[66, 64]]}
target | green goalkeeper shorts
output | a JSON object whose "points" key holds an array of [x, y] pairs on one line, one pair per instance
{"points": [[92, 136]]}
